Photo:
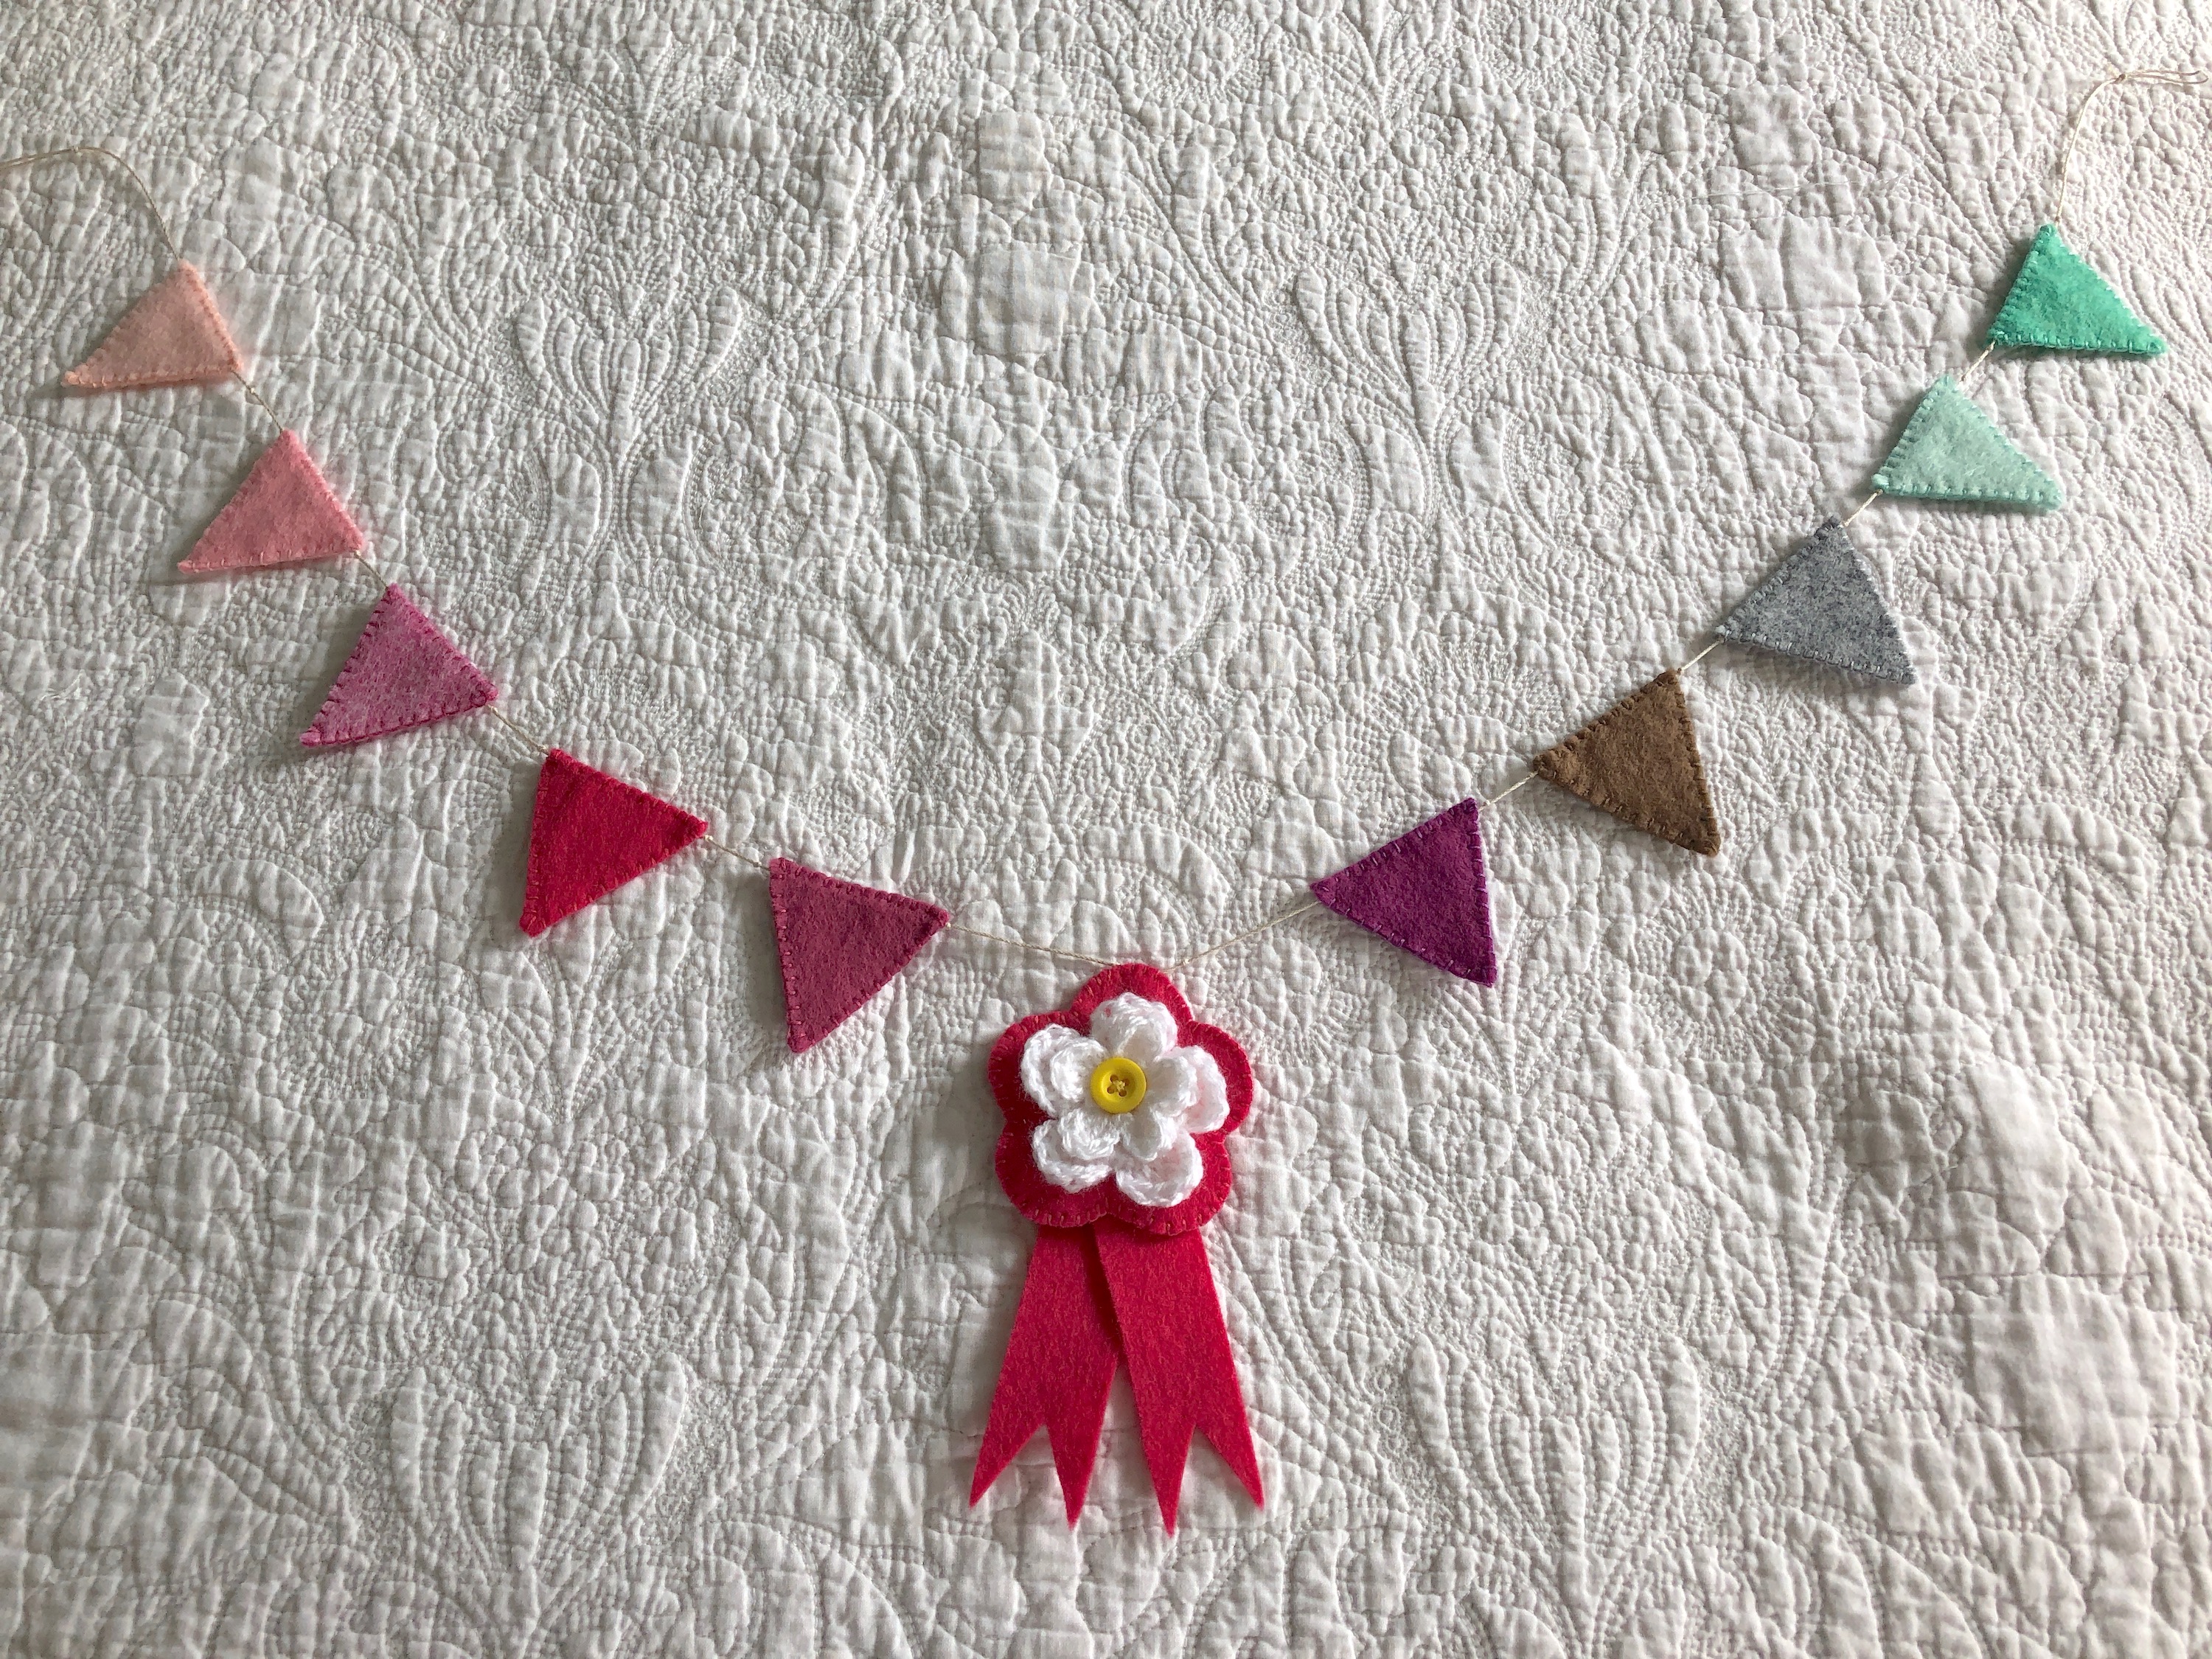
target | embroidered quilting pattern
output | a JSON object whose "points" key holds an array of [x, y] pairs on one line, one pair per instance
{"points": [[1109, 466]]}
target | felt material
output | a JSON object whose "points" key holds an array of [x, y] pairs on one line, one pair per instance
{"points": [[283, 513], [173, 337], [1051, 1205], [1058, 1367], [402, 673], [1952, 451], [839, 944], [1821, 605], [1639, 761], [1181, 1371], [589, 834], [2059, 303], [1425, 892]]}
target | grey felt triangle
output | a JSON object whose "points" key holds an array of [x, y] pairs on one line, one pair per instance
{"points": [[1822, 605]]}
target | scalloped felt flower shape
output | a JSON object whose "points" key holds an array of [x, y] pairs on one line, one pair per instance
{"points": [[1120, 1105]]}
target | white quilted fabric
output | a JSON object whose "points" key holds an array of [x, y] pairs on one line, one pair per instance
{"points": [[1095, 466]]}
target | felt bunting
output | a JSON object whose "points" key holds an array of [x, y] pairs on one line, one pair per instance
{"points": [[283, 513], [590, 834], [1822, 605], [402, 673], [2059, 303], [1639, 761], [173, 337], [1952, 451], [839, 944], [1425, 892]]}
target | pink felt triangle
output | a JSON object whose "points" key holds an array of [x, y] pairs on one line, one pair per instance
{"points": [[840, 943], [173, 337], [402, 673], [1425, 892], [283, 513], [589, 834]]}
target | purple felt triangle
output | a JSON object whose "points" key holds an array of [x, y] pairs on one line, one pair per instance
{"points": [[840, 943], [1425, 892], [402, 673]]}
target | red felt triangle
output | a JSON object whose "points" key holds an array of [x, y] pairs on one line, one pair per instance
{"points": [[173, 337], [840, 943], [589, 834], [402, 673], [283, 513]]}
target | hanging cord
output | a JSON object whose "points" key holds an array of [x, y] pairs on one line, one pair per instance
{"points": [[2186, 79], [98, 152]]}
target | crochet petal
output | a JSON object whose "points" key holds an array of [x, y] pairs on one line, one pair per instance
{"points": [[1072, 1174], [1056, 1066], [1163, 1181], [1135, 1026]]}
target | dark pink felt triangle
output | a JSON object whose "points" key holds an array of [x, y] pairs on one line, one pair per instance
{"points": [[589, 834], [1425, 892], [840, 943], [402, 673]]}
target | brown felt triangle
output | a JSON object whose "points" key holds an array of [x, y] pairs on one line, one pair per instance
{"points": [[1638, 760]]}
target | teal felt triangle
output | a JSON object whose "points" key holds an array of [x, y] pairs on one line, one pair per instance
{"points": [[2059, 303], [1952, 451]]}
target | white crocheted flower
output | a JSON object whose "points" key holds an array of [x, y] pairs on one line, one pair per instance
{"points": [[1123, 1101]]}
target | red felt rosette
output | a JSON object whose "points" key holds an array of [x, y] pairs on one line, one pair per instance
{"points": [[1114, 1282]]}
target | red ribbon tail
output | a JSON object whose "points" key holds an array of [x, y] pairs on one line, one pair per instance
{"points": [[1059, 1366], [1181, 1370]]}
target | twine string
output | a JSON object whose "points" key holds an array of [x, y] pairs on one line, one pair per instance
{"points": [[2185, 79]]}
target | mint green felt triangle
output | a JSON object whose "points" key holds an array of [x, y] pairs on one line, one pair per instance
{"points": [[2060, 303], [1952, 451]]}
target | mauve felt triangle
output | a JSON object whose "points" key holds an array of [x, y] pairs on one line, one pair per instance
{"points": [[283, 513], [589, 834], [840, 943], [402, 673], [1425, 892], [173, 337]]}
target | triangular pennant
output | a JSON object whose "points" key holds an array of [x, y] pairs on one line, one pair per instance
{"points": [[173, 337], [402, 673], [1639, 761], [589, 834], [2059, 303], [1425, 892], [283, 513], [840, 943], [1952, 451], [1822, 605]]}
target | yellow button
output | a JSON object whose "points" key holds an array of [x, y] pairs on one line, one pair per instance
{"points": [[1118, 1085]]}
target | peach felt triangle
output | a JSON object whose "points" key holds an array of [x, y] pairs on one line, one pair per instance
{"points": [[283, 513], [173, 337]]}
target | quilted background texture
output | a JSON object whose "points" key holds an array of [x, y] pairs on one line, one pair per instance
{"points": [[1099, 466]]}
